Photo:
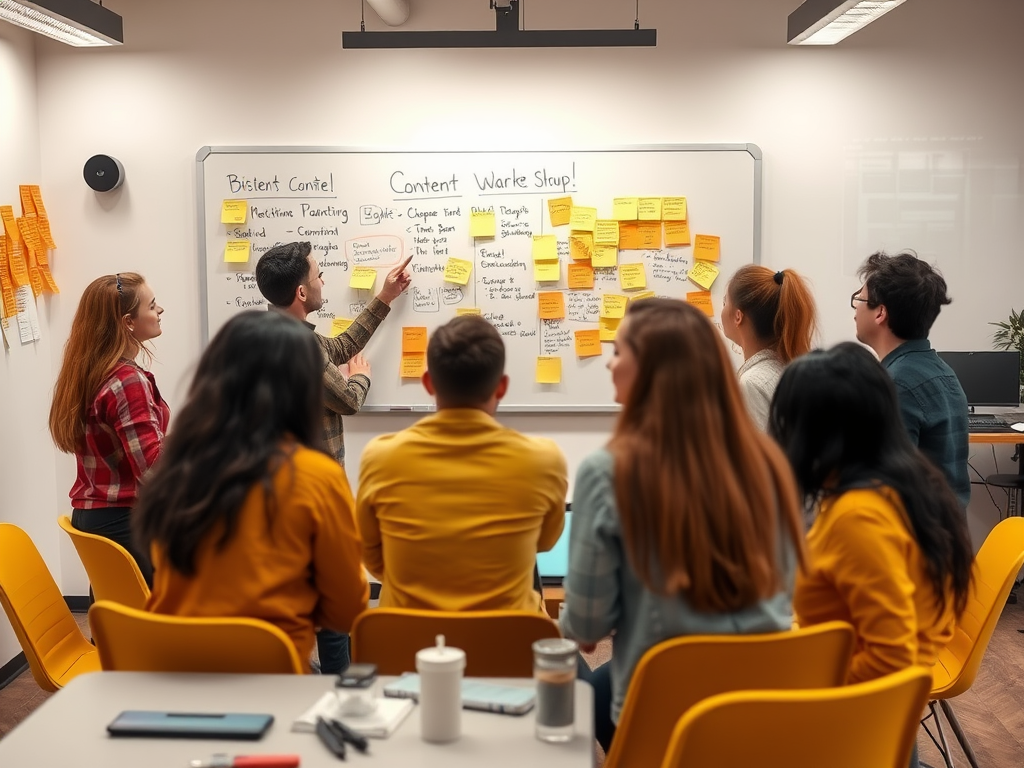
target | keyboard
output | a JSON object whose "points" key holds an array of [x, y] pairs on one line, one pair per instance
{"points": [[986, 422]]}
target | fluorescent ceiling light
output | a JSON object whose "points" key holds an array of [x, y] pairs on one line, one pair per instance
{"points": [[81, 23], [826, 22]]}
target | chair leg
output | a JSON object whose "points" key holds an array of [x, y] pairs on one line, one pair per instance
{"points": [[958, 731], [940, 743]]}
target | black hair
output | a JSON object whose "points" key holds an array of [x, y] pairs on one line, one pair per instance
{"points": [[911, 290], [259, 383], [466, 360], [836, 415], [281, 270]]}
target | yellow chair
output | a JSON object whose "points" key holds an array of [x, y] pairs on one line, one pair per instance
{"points": [[55, 647], [995, 568], [867, 725], [497, 643], [113, 572], [676, 674], [130, 640]]}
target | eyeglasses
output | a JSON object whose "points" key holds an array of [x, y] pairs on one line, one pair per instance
{"points": [[855, 298], [120, 292]]}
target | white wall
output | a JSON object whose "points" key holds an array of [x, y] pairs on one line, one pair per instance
{"points": [[928, 99]]}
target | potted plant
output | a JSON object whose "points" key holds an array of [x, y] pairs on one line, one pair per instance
{"points": [[1011, 336]]}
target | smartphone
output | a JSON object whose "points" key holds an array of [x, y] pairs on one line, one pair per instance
{"points": [[488, 697], [357, 676], [224, 725]]}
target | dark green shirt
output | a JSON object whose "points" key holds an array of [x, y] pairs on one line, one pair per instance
{"points": [[934, 409]]}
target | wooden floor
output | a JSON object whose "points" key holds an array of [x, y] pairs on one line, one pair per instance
{"points": [[992, 712]]}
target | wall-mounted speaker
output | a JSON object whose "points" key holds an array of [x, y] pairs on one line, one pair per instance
{"points": [[103, 173]]}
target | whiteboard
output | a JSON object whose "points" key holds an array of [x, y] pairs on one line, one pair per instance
{"points": [[372, 208]]}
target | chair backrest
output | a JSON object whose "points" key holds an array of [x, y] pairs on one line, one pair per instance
{"points": [[131, 640], [676, 674], [55, 647], [497, 643], [855, 726], [113, 572], [995, 568]]}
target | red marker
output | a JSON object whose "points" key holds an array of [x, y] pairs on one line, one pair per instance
{"points": [[222, 760]]}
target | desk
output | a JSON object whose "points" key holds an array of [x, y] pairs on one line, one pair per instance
{"points": [[69, 729], [998, 438]]}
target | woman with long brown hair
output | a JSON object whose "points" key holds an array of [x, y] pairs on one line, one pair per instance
{"points": [[107, 409], [688, 521]]}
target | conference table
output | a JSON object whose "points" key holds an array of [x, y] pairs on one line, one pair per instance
{"points": [[69, 729]]}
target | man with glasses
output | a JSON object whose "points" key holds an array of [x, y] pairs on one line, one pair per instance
{"points": [[894, 310]]}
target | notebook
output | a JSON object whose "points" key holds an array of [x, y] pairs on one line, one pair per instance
{"points": [[379, 724]]}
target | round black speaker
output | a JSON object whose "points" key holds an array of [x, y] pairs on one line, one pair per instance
{"points": [[103, 173]]}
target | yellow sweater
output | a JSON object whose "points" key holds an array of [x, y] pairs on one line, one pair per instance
{"points": [[453, 510], [302, 572], [865, 568]]}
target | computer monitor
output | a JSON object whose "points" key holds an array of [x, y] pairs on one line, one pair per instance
{"points": [[553, 565], [988, 378]]}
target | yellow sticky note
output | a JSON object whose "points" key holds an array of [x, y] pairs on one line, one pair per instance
{"points": [[605, 256], [588, 343], [703, 274], [582, 218], [650, 235], [468, 311], [702, 301], [560, 210], [632, 276], [707, 247], [613, 305], [413, 365], [237, 250], [549, 370], [608, 327], [550, 305], [581, 246], [234, 211], [414, 339], [545, 248], [629, 237], [625, 208], [581, 277], [677, 233], [339, 325], [642, 295], [649, 209], [673, 209], [606, 232], [481, 224], [457, 270], [363, 278], [547, 271]]}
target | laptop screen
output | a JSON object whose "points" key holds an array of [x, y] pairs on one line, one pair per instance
{"points": [[554, 565], [988, 378]]}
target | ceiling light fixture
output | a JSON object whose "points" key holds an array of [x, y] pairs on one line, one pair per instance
{"points": [[81, 23], [826, 22]]}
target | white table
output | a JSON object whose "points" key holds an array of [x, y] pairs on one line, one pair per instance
{"points": [[69, 729]]}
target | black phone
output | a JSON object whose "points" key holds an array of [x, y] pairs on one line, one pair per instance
{"points": [[224, 725], [357, 676]]}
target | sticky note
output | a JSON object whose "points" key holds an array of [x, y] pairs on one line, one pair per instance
{"points": [[549, 370], [581, 277], [413, 365], [468, 311], [582, 218], [414, 339], [481, 224], [550, 305], [629, 237], [457, 270], [363, 277], [606, 232], [632, 276], [613, 305], [605, 256], [581, 246], [673, 209], [703, 274], [642, 295], [702, 301], [608, 327], [707, 247], [649, 209], [234, 211], [547, 271], [625, 208], [339, 325], [588, 343], [650, 235], [677, 233], [545, 248], [560, 210], [237, 250]]}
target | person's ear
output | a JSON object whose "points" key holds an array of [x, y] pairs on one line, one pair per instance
{"points": [[129, 323], [881, 315], [428, 383], [502, 387], [300, 293], [737, 317]]}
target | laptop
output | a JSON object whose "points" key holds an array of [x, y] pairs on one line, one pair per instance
{"points": [[989, 380], [553, 565]]}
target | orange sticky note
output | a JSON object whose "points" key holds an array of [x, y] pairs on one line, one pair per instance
{"points": [[234, 211], [649, 209], [457, 270], [583, 218], [673, 209], [608, 327], [702, 301], [613, 305], [581, 277], [677, 233], [650, 235], [629, 237], [588, 343], [481, 223], [703, 274], [549, 370], [560, 210], [413, 365], [237, 251], [606, 232], [547, 271], [545, 248], [581, 246], [632, 276], [625, 208], [707, 247], [550, 305], [414, 339]]}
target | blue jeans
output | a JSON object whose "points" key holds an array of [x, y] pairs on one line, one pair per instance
{"points": [[601, 680], [333, 650]]}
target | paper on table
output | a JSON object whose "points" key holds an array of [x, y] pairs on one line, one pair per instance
{"points": [[379, 724]]}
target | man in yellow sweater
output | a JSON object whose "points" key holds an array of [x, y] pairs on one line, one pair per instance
{"points": [[453, 510]]}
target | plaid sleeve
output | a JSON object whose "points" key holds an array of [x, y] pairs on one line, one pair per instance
{"points": [[138, 420], [341, 348]]}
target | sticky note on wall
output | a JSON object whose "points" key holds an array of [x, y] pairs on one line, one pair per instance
{"points": [[547, 271], [583, 218], [549, 370], [632, 276], [606, 232], [702, 301], [237, 251], [545, 248], [703, 274], [560, 210], [414, 339], [673, 209], [457, 271], [613, 305], [581, 246], [677, 233], [625, 208], [234, 211], [550, 305], [581, 277], [412, 365], [707, 247], [363, 278], [481, 224], [339, 325], [588, 343], [649, 209]]}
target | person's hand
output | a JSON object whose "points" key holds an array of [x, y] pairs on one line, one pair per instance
{"points": [[359, 364], [395, 283]]}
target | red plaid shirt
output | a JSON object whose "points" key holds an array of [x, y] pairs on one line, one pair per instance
{"points": [[124, 429]]}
